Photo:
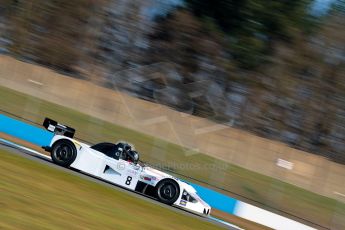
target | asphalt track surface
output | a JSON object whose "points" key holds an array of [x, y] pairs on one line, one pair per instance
{"points": [[30, 154]]}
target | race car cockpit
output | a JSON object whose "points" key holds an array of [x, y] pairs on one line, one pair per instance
{"points": [[120, 150]]}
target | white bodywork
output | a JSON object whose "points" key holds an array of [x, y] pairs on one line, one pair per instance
{"points": [[128, 174]]}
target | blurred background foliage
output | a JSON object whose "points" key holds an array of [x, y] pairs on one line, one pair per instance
{"points": [[275, 68]]}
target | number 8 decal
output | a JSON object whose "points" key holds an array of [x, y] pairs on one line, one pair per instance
{"points": [[128, 181]]}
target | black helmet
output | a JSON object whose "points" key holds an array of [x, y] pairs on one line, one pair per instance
{"points": [[124, 146], [127, 147], [133, 156]]}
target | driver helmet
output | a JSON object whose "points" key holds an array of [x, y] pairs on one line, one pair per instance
{"points": [[123, 146], [133, 156], [127, 147]]}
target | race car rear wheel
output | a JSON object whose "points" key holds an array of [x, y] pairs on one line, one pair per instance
{"points": [[63, 153], [168, 191]]}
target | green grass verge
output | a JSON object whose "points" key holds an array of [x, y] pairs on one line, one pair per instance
{"points": [[36, 196], [271, 192]]}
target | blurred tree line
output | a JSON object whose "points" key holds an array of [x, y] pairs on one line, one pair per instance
{"points": [[49, 32], [267, 66], [252, 26]]}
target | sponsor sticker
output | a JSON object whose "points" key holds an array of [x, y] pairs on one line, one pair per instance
{"points": [[148, 178], [133, 172], [121, 166], [183, 202]]}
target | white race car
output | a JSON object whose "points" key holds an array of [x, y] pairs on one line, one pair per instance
{"points": [[119, 164]]}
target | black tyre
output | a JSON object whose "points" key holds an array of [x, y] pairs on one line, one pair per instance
{"points": [[168, 191], [63, 153]]}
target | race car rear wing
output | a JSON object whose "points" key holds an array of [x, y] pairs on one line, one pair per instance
{"points": [[57, 128]]}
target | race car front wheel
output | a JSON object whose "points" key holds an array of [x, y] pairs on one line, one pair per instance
{"points": [[168, 191], [63, 153]]}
